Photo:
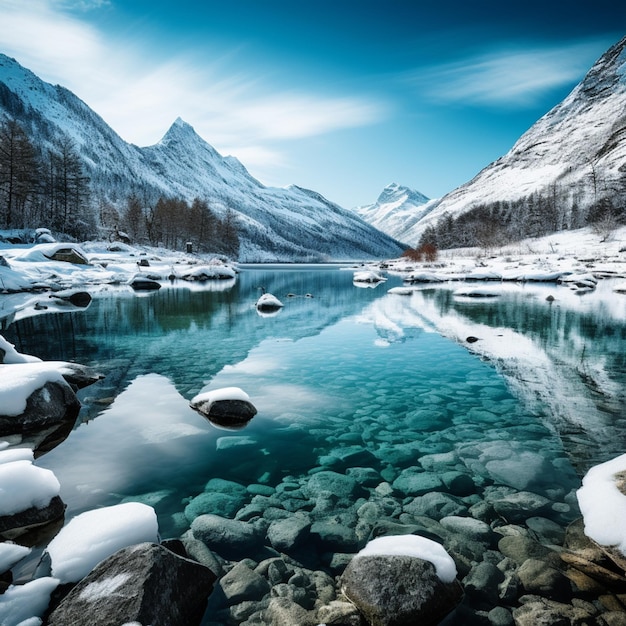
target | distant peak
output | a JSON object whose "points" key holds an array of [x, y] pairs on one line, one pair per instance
{"points": [[394, 192]]}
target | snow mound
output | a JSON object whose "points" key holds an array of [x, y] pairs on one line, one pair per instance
{"points": [[19, 381], [24, 485], [603, 505], [414, 546], [95, 535], [23, 605], [218, 395]]}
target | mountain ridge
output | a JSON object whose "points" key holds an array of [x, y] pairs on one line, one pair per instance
{"points": [[274, 223], [576, 151]]}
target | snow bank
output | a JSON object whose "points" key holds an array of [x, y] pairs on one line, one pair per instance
{"points": [[208, 272], [23, 605], [603, 505], [95, 535], [24, 485], [19, 381], [368, 276], [414, 546]]}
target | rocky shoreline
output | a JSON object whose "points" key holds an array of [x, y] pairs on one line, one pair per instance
{"points": [[285, 554]]}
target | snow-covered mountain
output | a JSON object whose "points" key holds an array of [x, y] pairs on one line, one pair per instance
{"points": [[576, 153], [396, 211], [275, 223]]}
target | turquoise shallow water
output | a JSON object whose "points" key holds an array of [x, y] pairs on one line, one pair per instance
{"points": [[331, 377]]}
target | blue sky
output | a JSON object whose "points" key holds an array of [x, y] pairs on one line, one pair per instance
{"points": [[340, 96]]}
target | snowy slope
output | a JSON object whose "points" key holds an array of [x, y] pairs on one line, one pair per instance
{"points": [[577, 150], [276, 224], [396, 211]]}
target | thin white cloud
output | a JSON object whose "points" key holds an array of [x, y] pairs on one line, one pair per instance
{"points": [[140, 100], [512, 77]]}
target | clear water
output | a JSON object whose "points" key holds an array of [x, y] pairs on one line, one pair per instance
{"points": [[328, 374]]}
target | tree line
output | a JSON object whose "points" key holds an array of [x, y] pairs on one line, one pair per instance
{"points": [[42, 187], [174, 223], [494, 224], [50, 187]]}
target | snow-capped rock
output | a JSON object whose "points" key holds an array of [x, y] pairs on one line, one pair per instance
{"points": [[274, 224]]}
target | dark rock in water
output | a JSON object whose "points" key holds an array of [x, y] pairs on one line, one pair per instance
{"points": [[80, 299], [145, 584], [19, 524], [226, 413], [144, 284], [471, 339], [50, 405], [399, 590], [80, 376]]}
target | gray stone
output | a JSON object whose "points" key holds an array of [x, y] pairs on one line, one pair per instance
{"points": [[499, 616], [539, 578], [470, 527], [217, 503], [459, 483], [260, 490], [517, 507], [399, 591], [242, 584], [342, 486], [520, 548], [353, 456], [231, 539], [546, 530], [537, 611], [285, 612], [198, 551], [366, 476], [334, 536], [417, 483], [287, 534], [339, 613], [482, 582], [521, 470], [435, 505], [145, 583]]}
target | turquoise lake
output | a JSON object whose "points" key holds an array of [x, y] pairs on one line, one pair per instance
{"points": [[340, 373]]}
